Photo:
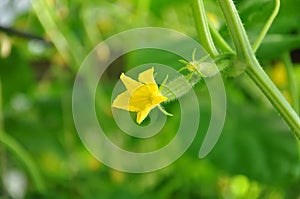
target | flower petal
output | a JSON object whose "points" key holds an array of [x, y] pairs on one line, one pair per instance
{"points": [[129, 83], [158, 99], [146, 77], [122, 102], [142, 115]]}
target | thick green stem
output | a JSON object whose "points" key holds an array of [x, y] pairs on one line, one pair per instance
{"points": [[201, 21], [236, 28], [254, 70], [258, 75]]}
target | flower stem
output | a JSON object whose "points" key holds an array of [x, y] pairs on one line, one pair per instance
{"points": [[202, 27], [254, 70]]}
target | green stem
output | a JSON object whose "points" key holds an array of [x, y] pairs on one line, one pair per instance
{"points": [[254, 70], [291, 81], [238, 33], [12, 144], [258, 75], [267, 26], [204, 35], [219, 40]]}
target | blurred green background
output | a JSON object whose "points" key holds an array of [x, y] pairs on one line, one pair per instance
{"points": [[42, 44]]}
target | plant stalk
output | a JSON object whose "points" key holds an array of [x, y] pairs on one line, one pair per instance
{"points": [[202, 27], [219, 40], [254, 70]]}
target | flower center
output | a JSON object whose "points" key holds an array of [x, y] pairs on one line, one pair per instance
{"points": [[146, 96]]}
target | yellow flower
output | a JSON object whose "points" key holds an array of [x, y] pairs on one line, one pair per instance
{"points": [[141, 96]]}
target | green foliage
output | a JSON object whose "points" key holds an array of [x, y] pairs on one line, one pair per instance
{"points": [[256, 156]]}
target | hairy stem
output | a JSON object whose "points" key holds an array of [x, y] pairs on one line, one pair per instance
{"points": [[254, 70]]}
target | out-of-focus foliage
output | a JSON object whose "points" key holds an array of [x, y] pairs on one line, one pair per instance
{"points": [[256, 156]]}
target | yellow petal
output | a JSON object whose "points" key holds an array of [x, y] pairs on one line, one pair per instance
{"points": [[122, 102], [142, 115], [129, 83], [146, 77], [158, 99]]}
